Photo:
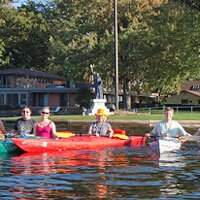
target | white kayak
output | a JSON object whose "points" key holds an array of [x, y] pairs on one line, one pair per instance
{"points": [[165, 145]]}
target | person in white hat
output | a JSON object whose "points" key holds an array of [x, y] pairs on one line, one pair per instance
{"points": [[100, 127]]}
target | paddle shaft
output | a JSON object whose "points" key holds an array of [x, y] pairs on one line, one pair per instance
{"points": [[190, 138], [115, 135], [184, 137]]}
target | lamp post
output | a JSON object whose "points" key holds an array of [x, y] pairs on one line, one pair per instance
{"points": [[116, 56]]}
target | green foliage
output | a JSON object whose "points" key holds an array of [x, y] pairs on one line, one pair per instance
{"points": [[84, 97], [175, 48], [77, 36], [25, 36], [194, 4], [3, 59], [159, 43]]}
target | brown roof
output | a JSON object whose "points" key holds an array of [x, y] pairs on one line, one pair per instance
{"points": [[187, 85], [30, 73], [195, 92]]}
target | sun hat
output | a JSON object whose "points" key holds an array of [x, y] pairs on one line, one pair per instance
{"points": [[101, 112]]}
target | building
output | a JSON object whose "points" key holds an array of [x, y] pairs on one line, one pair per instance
{"points": [[21, 87], [189, 95]]}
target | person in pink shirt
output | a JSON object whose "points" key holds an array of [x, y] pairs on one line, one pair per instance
{"points": [[45, 127]]}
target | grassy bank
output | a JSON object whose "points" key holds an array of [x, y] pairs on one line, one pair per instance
{"points": [[184, 116], [122, 117]]}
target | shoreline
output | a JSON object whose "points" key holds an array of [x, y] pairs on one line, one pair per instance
{"points": [[150, 123]]}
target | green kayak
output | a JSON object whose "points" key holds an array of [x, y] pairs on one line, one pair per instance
{"points": [[7, 146]]}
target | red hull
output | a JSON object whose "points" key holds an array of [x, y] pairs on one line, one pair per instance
{"points": [[76, 143]]}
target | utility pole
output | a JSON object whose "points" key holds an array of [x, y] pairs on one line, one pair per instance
{"points": [[116, 57]]}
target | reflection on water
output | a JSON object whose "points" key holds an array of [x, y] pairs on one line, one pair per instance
{"points": [[115, 173], [109, 173], [83, 173], [171, 159]]}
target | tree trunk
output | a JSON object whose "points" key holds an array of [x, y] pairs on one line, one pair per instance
{"points": [[126, 94]]}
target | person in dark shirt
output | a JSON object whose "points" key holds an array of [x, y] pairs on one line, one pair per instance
{"points": [[24, 125]]}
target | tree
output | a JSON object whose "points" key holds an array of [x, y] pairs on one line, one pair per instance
{"points": [[175, 48], [158, 42], [76, 36], [83, 34], [84, 97], [194, 4], [25, 35]]}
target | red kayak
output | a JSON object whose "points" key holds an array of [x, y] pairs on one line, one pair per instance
{"points": [[75, 143]]}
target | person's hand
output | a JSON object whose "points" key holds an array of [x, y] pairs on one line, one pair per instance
{"points": [[148, 135], [110, 135], [97, 134]]}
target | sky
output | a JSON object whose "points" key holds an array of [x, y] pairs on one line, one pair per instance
{"points": [[18, 3]]}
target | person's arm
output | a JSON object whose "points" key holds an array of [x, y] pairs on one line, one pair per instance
{"points": [[32, 126], [2, 127], [53, 126], [182, 131], [154, 132], [111, 132], [15, 128], [90, 130], [34, 129]]}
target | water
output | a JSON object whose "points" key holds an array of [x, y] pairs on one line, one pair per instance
{"points": [[115, 173]]}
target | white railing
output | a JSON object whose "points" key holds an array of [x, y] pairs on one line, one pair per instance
{"points": [[160, 110]]}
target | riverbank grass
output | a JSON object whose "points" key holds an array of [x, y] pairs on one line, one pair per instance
{"points": [[180, 116], [122, 117]]}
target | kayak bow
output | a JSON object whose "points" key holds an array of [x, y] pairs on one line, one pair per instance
{"points": [[165, 145]]}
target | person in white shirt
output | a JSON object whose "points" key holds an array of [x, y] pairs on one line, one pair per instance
{"points": [[168, 127]]}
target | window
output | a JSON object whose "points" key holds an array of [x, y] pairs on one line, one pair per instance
{"points": [[63, 100], [12, 99], [1, 99], [23, 99], [4, 81], [184, 101]]}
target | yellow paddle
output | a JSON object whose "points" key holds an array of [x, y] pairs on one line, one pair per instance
{"points": [[121, 136], [65, 134]]}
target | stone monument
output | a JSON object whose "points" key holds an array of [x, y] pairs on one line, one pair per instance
{"points": [[99, 101]]}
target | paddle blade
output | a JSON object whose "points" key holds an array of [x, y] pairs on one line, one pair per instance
{"points": [[124, 137], [65, 134]]}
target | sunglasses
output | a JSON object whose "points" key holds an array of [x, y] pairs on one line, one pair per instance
{"points": [[25, 111], [45, 113]]}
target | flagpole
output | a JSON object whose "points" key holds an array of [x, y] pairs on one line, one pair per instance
{"points": [[116, 56]]}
